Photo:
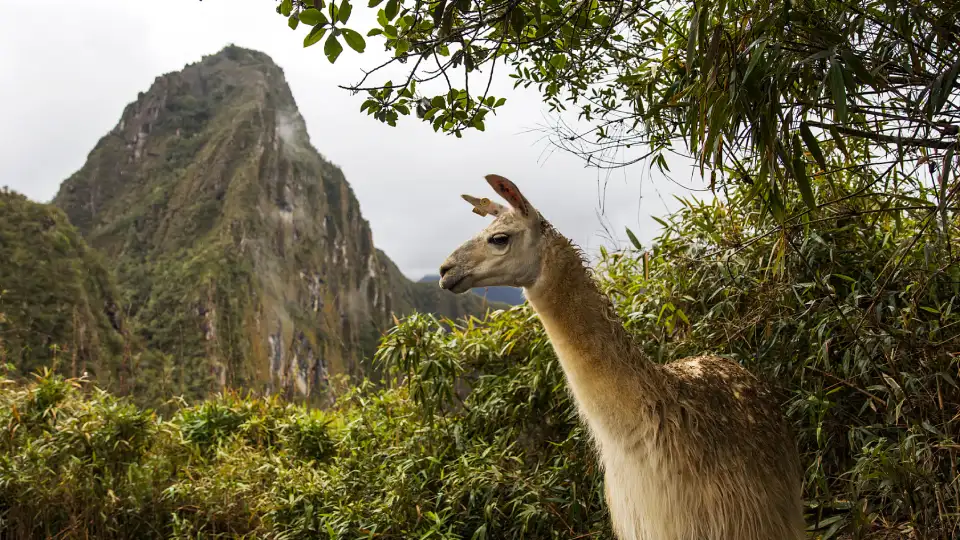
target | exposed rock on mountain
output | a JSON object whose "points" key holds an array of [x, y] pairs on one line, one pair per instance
{"points": [[242, 252]]}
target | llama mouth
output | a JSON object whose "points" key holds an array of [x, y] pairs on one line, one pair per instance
{"points": [[455, 285]]}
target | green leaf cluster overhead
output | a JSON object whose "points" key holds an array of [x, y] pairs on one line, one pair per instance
{"points": [[729, 84]]}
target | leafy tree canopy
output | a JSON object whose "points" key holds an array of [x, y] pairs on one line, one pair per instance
{"points": [[763, 92]]}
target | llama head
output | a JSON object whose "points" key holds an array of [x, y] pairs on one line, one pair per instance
{"points": [[506, 252]]}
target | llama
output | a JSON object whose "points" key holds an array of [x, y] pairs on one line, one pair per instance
{"points": [[696, 449]]}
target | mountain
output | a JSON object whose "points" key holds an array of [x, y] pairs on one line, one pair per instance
{"points": [[59, 306], [241, 252], [512, 296]]}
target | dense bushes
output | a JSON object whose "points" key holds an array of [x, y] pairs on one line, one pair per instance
{"points": [[852, 315], [78, 462], [511, 462]]}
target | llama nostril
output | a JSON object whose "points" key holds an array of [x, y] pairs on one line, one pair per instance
{"points": [[445, 268]]}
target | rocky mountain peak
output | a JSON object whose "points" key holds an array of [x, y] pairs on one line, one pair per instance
{"points": [[241, 251]]}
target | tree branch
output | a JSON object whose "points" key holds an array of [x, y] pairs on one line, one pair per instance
{"points": [[880, 138]]}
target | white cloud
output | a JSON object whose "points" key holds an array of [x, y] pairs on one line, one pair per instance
{"points": [[67, 80]]}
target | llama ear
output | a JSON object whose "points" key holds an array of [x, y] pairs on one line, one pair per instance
{"points": [[484, 206], [508, 190]]}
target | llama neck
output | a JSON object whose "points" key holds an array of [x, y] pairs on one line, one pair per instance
{"points": [[608, 375]]}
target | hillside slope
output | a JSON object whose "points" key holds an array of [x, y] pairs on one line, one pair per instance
{"points": [[240, 249], [59, 306]]}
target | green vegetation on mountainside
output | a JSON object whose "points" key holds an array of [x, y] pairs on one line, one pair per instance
{"points": [[863, 352], [58, 302]]}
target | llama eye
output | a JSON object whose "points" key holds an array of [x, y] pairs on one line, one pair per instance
{"points": [[499, 239]]}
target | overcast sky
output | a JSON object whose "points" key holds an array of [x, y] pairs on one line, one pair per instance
{"points": [[67, 80]]}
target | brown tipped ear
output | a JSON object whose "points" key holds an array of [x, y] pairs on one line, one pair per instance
{"points": [[484, 206], [508, 190]]}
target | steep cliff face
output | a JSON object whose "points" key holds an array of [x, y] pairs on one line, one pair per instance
{"points": [[242, 252], [59, 306]]}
